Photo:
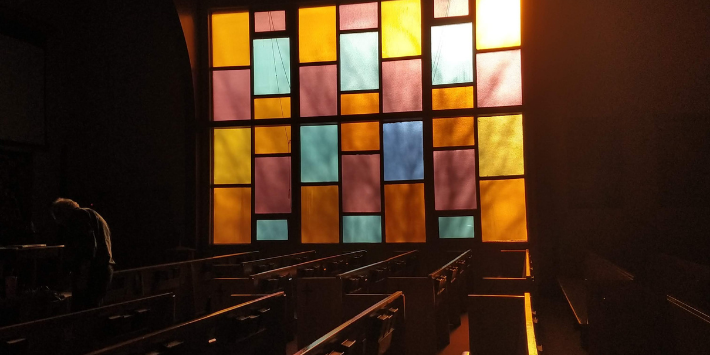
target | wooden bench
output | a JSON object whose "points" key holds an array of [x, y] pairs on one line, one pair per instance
{"points": [[378, 330], [81, 332], [323, 297], [690, 328], [501, 325], [504, 272], [181, 278], [248, 268], [251, 328]]}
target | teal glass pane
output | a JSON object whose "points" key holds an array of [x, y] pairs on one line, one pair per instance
{"points": [[359, 61], [276, 229], [319, 153], [362, 229], [456, 227], [272, 66], [452, 54]]}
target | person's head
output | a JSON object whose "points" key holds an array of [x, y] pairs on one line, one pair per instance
{"points": [[62, 208]]}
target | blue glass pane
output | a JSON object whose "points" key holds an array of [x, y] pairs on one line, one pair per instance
{"points": [[319, 153], [362, 229], [272, 66], [359, 61], [403, 151], [272, 229], [452, 54], [456, 227]]}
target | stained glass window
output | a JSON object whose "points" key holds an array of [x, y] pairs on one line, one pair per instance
{"points": [[407, 121]]}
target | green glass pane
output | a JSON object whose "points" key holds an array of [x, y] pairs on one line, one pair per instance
{"points": [[362, 229], [276, 229], [359, 61], [319, 153], [272, 66], [452, 54], [456, 227]]}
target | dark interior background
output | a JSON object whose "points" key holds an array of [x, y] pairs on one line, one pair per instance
{"points": [[617, 123]]}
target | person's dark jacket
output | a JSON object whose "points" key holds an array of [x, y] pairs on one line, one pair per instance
{"points": [[87, 239]]}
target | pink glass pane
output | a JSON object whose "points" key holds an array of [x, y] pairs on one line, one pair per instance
{"points": [[272, 182], [231, 95], [358, 16], [455, 179], [499, 79], [450, 8], [269, 21], [319, 91], [402, 85], [361, 183]]}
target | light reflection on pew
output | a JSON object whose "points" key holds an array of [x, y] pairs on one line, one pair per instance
{"points": [[81, 332], [690, 328], [322, 297], [378, 330], [501, 325], [251, 328], [248, 268]]}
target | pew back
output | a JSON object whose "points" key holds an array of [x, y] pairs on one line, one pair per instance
{"points": [[253, 327], [251, 267], [372, 278], [501, 325], [379, 330], [81, 332]]}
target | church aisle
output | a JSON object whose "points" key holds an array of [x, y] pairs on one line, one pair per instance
{"points": [[458, 339]]}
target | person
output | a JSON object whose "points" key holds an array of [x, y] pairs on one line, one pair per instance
{"points": [[87, 241]]}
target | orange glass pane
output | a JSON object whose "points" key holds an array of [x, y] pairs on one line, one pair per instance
{"points": [[230, 39], [497, 23], [358, 104], [320, 217], [272, 140], [316, 34], [272, 107], [453, 132], [503, 217], [404, 213], [360, 136], [401, 28], [452, 98], [232, 156], [231, 211]]}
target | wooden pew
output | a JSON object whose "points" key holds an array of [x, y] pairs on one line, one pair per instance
{"points": [[323, 297], [181, 278], [507, 272], [378, 330], [251, 328], [595, 269], [690, 328], [81, 332], [372, 278], [248, 268], [285, 279], [501, 325], [428, 300]]}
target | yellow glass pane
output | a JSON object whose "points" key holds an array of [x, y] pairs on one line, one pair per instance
{"points": [[272, 107], [231, 215], [320, 217], [500, 140], [401, 28], [453, 132], [232, 156], [360, 136], [497, 23], [404, 213], [316, 34], [230, 39], [358, 104], [452, 98], [503, 216], [272, 140]]}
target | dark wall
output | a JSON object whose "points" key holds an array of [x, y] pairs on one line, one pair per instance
{"points": [[119, 107], [617, 97]]}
